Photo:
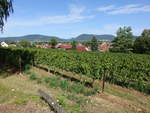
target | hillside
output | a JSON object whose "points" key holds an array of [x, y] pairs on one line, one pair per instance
{"points": [[33, 37], [24, 88], [38, 37], [85, 37]]}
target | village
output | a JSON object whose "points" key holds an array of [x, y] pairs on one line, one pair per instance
{"points": [[103, 47]]}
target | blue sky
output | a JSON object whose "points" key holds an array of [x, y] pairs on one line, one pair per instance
{"points": [[69, 18]]}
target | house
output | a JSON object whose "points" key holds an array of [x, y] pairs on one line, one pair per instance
{"points": [[59, 44], [82, 48], [3, 44], [38, 46], [65, 46], [47, 46], [12, 45], [105, 46]]}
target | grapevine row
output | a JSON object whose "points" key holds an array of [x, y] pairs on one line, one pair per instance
{"points": [[128, 70]]}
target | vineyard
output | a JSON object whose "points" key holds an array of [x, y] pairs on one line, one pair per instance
{"points": [[127, 70]]}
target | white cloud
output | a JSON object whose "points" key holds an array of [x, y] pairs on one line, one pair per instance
{"points": [[104, 29], [75, 15], [106, 8], [127, 9], [112, 29]]}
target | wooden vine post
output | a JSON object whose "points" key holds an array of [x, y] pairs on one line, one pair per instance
{"points": [[20, 66], [103, 81]]}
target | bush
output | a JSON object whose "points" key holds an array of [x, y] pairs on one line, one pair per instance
{"points": [[64, 84], [76, 88], [91, 91], [54, 82], [33, 77]]}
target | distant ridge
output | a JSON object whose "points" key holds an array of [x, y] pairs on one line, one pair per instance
{"points": [[85, 37], [32, 37], [38, 37]]}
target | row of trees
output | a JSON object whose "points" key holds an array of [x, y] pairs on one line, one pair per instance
{"points": [[126, 42]]}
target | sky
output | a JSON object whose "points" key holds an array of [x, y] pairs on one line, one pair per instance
{"points": [[70, 18]]}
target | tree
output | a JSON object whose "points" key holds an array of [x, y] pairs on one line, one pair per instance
{"points": [[10, 42], [142, 43], [124, 40], [53, 42], [74, 45], [5, 10], [86, 43], [94, 44], [24, 44], [146, 33]]}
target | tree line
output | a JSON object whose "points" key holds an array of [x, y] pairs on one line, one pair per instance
{"points": [[126, 42]]}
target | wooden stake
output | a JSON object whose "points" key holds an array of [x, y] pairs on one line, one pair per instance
{"points": [[20, 64], [103, 82]]}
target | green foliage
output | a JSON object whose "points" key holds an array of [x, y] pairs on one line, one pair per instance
{"points": [[54, 82], [73, 87], [74, 45], [47, 80], [128, 70], [87, 43], [91, 92], [27, 67], [146, 33], [124, 40], [24, 43], [94, 44], [64, 84], [142, 43], [76, 88], [10, 42], [5, 10], [62, 101], [33, 77], [12, 56], [53, 42]]}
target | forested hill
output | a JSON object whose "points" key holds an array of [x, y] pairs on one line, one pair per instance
{"points": [[85, 37], [38, 37], [33, 37]]}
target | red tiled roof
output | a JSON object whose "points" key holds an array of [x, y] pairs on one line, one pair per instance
{"points": [[48, 46], [66, 46], [81, 48]]}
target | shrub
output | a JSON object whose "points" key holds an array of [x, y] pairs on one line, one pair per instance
{"points": [[33, 77]]}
